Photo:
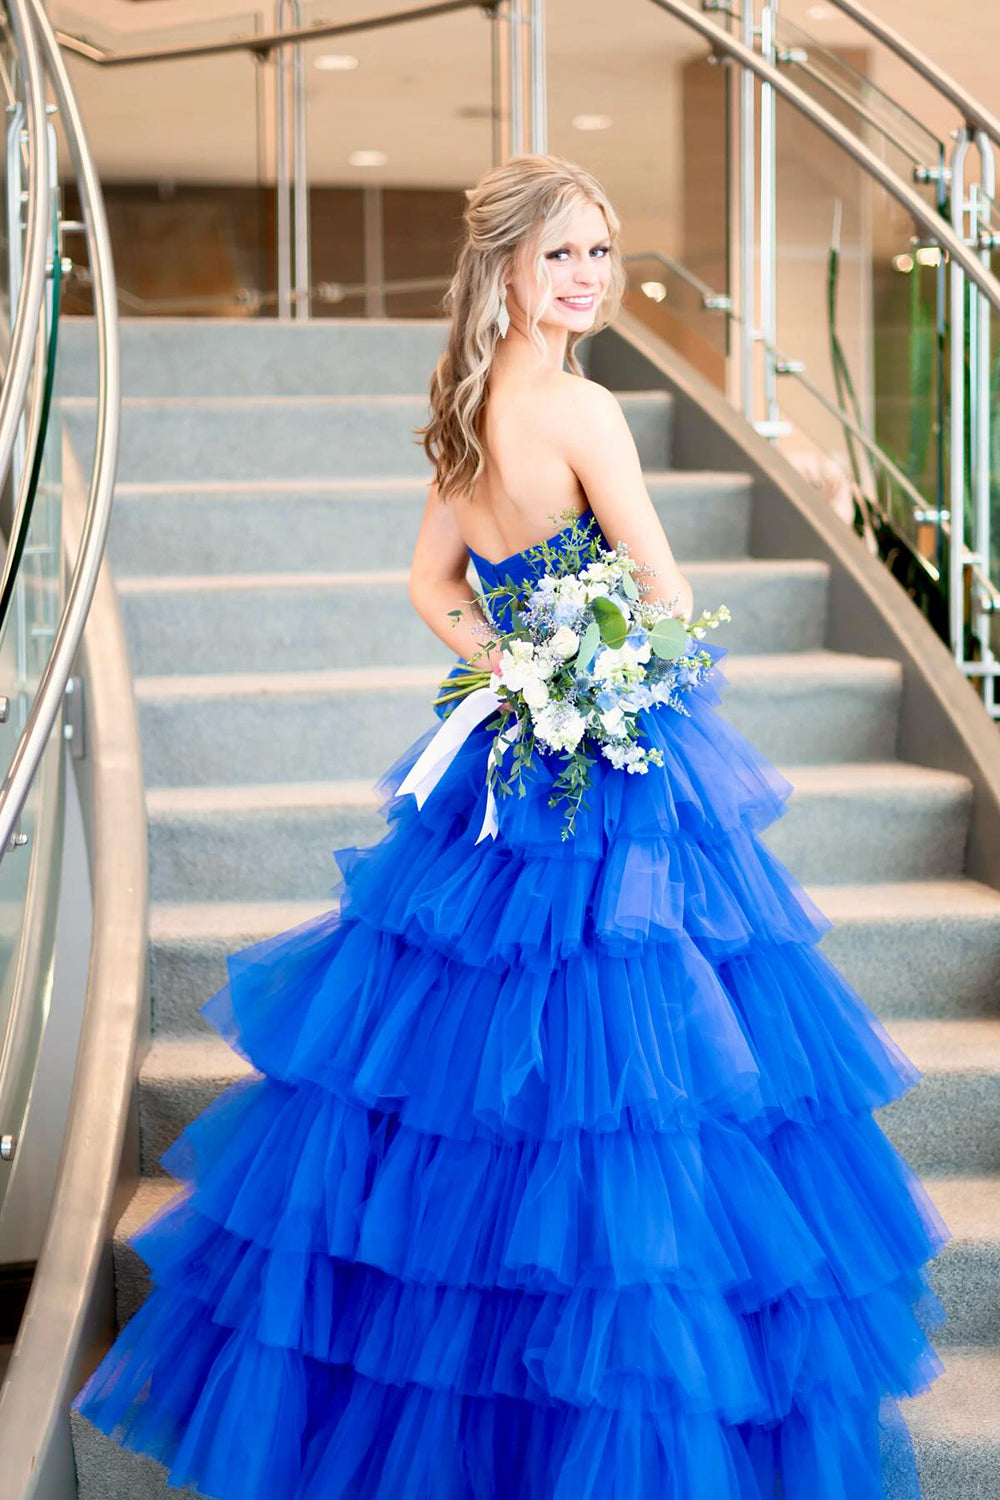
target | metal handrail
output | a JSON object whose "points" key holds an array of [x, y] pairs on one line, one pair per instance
{"points": [[711, 300], [24, 322], [722, 42], [264, 41], [973, 113], [52, 686], [813, 45]]}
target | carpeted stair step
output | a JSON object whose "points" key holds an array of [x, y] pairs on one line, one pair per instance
{"points": [[275, 841], [915, 949], [950, 1122], [799, 708], [179, 439], [256, 527], [267, 622], [257, 357]]}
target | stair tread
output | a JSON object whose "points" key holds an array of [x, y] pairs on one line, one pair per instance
{"points": [[897, 900], [969, 1044], [712, 479], [138, 584], [961, 1403], [854, 778], [747, 667]]}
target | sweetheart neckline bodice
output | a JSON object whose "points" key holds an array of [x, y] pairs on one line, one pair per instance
{"points": [[513, 556]]}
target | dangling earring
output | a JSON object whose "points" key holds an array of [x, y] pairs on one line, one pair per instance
{"points": [[503, 316]]}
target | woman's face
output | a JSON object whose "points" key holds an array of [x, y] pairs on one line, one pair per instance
{"points": [[579, 268]]}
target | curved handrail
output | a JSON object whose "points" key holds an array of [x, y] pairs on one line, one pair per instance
{"points": [[29, 302], [869, 162], [263, 41], [40, 408], [52, 685], [35, 1457], [974, 114]]}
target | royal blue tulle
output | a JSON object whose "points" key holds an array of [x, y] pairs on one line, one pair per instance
{"points": [[555, 1176]]}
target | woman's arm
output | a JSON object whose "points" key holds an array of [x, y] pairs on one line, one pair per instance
{"points": [[438, 584], [594, 437]]}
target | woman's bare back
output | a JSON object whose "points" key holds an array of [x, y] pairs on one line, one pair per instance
{"points": [[527, 482]]}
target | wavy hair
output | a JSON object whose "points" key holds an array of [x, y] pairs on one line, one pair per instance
{"points": [[529, 200]]}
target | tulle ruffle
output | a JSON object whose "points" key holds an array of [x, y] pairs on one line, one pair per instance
{"points": [[243, 1420], [598, 1042], [644, 1345], [558, 1177], [301, 1170]]}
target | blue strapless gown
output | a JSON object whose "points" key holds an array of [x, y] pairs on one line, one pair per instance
{"points": [[558, 1177]]}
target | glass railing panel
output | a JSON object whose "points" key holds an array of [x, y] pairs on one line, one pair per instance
{"points": [[190, 210], [662, 156], [387, 186], [860, 301], [29, 871], [897, 136], [8, 97], [687, 313]]}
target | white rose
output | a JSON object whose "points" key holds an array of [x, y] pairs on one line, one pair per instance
{"points": [[536, 693], [564, 642], [612, 719], [598, 589]]}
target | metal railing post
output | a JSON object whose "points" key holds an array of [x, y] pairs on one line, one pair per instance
{"points": [[982, 619], [537, 56], [956, 471], [300, 173], [282, 205], [768, 218], [746, 203], [515, 58]]}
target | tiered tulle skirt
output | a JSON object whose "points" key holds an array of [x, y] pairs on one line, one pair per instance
{"points": [[557, 1178]]}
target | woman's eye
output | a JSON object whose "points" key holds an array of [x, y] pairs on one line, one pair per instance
{"points": [[604, 249]]}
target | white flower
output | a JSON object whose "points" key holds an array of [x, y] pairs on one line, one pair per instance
{"points": [[599, 589], [518, 665], [535, 693], [571, 591], [549, 661], [612, 720], [559, 725], [564, 642]]}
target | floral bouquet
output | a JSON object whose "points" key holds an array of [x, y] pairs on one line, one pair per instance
{"points": [[584, 655]]}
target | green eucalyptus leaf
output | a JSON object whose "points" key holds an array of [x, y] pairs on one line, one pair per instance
{"points": [[589, 644], [629, 586], [668, 638], [610, 621]]}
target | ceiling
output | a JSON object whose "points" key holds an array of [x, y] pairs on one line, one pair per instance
{"points": [[421, 91]]}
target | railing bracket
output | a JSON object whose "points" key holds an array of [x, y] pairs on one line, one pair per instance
{"points": [[73, 717]]}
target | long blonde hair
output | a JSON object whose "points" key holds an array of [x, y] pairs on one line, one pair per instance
{"points": [[530, 199]]}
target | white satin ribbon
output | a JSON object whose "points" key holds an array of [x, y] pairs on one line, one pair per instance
{"points": [[425, 773]]}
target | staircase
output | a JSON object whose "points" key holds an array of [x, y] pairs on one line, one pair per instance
{"points": [[254, 519]]}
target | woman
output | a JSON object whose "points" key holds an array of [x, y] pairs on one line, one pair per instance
{"points": [[561, 1180]]}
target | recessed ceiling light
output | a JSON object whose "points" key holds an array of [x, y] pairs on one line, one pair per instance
{"points": [[335, 62], [591, 122], [654, 290], [902, 263], [820, 12], [367, 158]]}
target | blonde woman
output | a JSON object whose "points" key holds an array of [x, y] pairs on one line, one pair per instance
{"points": [[561, 1180]]}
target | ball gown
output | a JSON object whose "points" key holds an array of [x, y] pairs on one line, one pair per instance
{"points": [[555, 1175]]}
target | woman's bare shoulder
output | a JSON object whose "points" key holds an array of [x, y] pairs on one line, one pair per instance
{"points": [[566, 400]]}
